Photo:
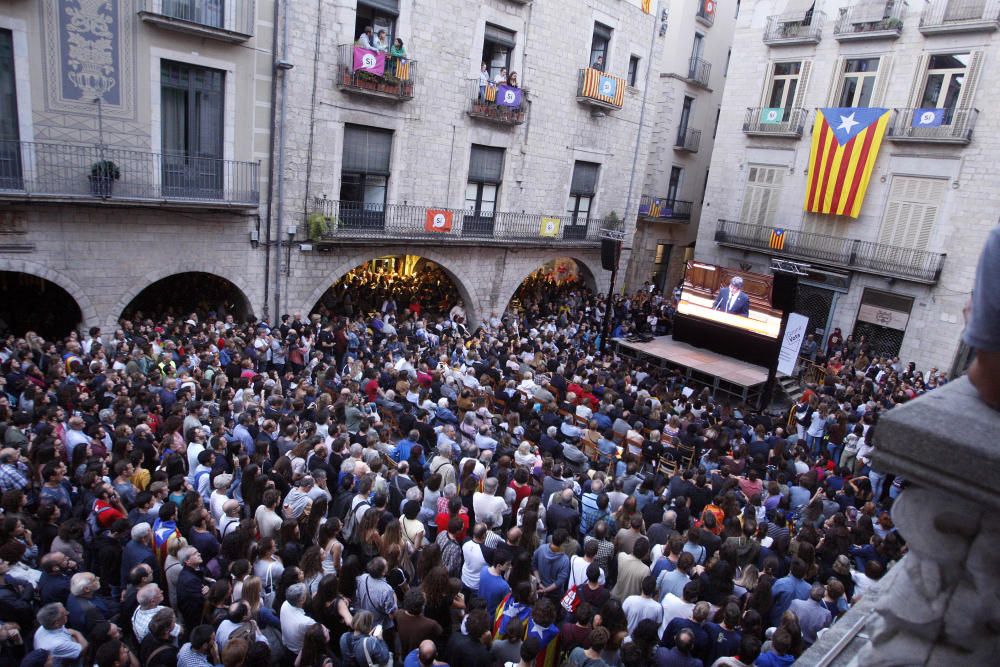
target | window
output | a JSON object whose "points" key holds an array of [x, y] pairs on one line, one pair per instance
{"points": [[10, 160], [192, 127], [662, 253], [682, 127], [857, 82], [698, 46], [483, 189], [783, 86], [715, 128], [498, 44], [364, 177], [674, 185], [704, 186], [729, 59], [599, 47], [911, 211], [379, 14], [633, 70], [204, 12], [760, 198], [582, 189], [946, 74]]}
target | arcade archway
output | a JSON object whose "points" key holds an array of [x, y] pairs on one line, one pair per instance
{"points": [[181, 294], [556, 276], [31, 303]]}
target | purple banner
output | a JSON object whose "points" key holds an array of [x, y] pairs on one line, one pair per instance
{"points": [[372, 62], [508, 96]]}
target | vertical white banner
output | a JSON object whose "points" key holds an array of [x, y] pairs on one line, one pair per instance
{"points": [[795, 334]]}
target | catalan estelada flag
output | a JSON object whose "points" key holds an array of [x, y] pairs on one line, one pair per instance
{"points": [[509, 609], [548, 642], [777, 241], [845, 143], [647, 6], [604, 87]]}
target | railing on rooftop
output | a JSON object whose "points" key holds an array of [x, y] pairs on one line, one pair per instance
{"points": [[344, 221], [688, 140], [231, 21], [699, 71], [864, 256], [794, 29], [870, 20], [501, 104], [775, 122], [942, 16], [664, 208], [359, 71], [947, 126], [49, 170]]}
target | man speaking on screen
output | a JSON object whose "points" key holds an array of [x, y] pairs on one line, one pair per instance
{"points": [[732, 299]]}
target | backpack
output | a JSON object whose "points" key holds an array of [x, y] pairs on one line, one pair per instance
{"points": [[92, 528], [351, 526]]}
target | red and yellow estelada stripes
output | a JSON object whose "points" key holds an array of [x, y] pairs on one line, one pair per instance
{"points": [[592, 87]]}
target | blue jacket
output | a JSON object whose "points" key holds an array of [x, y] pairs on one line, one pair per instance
{"points": [[785, 590], [552, 566], [772, 659]]}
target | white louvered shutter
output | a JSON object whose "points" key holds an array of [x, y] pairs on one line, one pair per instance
{"points": [[971, 80], [836, 81], [760, 199], [919, 77], [882, 80], [911, 211]]}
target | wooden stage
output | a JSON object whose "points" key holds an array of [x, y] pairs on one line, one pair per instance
{"points": [[722, 374]]}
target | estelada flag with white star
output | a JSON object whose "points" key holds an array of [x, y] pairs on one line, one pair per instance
{"points": [[845, 143]]}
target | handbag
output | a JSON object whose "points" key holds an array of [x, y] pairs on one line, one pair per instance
{"points": [[570, 600], [368, 656], [270, 592]]}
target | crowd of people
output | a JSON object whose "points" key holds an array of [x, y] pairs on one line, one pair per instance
{"points": [[380, 485]]}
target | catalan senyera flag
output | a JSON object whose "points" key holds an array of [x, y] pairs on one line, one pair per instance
{"points": [[845, 143], [777, 240], [647, 6], [603, 87], [403, 69]]}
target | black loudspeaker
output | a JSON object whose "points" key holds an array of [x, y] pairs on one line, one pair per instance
{"points": [[609, 254], [783, 291]]}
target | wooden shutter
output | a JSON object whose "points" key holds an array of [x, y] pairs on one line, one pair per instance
{"points": [[836, 81], [800, 92], [919, 77], [882, 80], [911, 211], [760, 198], [971, 79]]}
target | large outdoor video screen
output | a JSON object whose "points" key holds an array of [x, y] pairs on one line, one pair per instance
{"points": [[730, 297]]}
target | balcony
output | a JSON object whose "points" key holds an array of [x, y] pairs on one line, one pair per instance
{"points": [[498, 104], [664, 209], [688, 140], [882, 19], [343, 222], [792, 29], [934, 126], [775, 122], [365, 72], [599, 89], [703, 17], [215, 19], [952, 16], [878, 259], [699, 72], [58, 172]]}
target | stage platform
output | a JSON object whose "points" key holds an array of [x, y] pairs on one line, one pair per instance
{"points": [[722, 374]]}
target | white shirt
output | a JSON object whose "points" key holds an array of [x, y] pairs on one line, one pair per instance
{"points": [[732, 300], [674, 607], [578, 572], [473, 565], [638, 608], [60, 643], [294, 623], [484, 504]]}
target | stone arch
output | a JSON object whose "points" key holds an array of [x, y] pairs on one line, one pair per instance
{"points": [[87, 310], [463, 282], [161, 273], [590, 279]]}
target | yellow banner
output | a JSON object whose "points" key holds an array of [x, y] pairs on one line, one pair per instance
{"points": [[550, 227]]}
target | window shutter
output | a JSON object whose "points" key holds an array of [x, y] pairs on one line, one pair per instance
{"points": [[800, 92], [911, 211], [390, 7], [486, 164], [918, 79], [367, 149], [760, 199], [601, 30], [882, 80], [971, 79], [499, 36], [584, 178], [836, 81]]}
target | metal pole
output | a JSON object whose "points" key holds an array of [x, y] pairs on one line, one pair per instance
{"points": [[281, 161], [609, 309]]}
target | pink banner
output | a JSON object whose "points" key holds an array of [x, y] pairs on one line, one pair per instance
{"points": [[372, 62]]}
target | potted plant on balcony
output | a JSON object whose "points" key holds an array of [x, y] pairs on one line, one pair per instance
{"points": [[320, 225], [103, 174]]}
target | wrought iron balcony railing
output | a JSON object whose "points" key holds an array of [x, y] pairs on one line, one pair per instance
{"points": [[371, 73], [775, 122], [499, 104], [58, 171], [942, 16], [664, 209], [947, 126], [699, 71], [870, 20], [688, 140], [793, 29], [865, 256], [600, 89], [229, 21], [347, 222]]}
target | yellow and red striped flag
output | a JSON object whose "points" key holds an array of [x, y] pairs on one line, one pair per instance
{"points": [[845, 144], [647, 6], [777, 240]]}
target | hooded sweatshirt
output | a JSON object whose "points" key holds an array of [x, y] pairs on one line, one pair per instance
{"points": [[552, 567]]}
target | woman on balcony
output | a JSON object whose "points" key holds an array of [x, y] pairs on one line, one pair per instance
{"points": [[397, 52]]}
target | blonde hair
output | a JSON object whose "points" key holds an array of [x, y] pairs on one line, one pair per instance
{"points": [[175, 544], [252, 593]]}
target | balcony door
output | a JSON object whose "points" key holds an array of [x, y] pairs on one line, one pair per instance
{"points": [[783, 86], [582, 189], [192, 130], [599, 47], [203, 12], [682, 127], [10, 147], [674, 185], [364, 180], [945, 82], [482, 190]]}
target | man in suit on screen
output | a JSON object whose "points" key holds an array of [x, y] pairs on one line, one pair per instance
{"points": [[732, 299]]}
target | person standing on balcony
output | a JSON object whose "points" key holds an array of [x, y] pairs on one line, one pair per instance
{"points": [[382, 41], [501, 78], [598, 63], [365, 40], [512, 80], [484, 80], [397, 52]]}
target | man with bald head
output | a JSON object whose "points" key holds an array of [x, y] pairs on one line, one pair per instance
{"points": [[562, 512], [424, 656], [230, 518]]}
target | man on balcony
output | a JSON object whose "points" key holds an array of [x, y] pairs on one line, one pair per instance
{"points": [[732, 299], [365, 40]]}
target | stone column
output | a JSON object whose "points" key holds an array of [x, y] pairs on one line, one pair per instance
{"points": [[940, 604]]}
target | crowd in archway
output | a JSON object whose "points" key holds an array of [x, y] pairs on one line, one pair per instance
{"points": [[390, 489]]}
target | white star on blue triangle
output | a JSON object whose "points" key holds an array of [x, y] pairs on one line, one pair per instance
{"points": [[848, 123]]}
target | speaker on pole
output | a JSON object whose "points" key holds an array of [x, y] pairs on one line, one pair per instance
{"points": [[609, 254], [783, 291]]}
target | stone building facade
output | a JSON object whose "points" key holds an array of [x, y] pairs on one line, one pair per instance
{"points": [[901, 272]]}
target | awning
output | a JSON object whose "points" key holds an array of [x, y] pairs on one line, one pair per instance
{"points": [[868, 11], [796, 10]]}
